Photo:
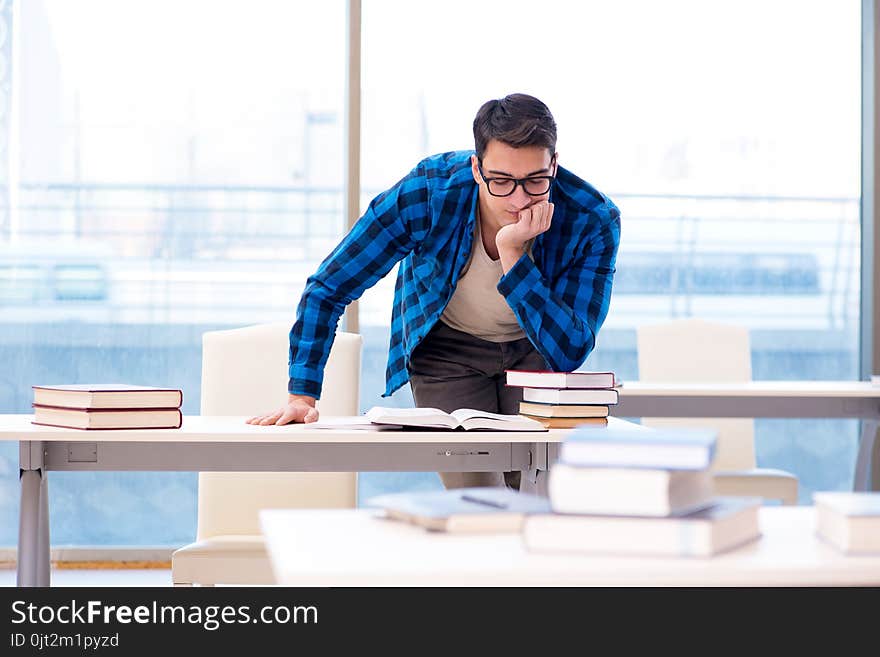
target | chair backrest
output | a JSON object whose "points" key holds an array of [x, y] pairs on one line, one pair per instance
{"points": [[244, 372], [697, 351]]}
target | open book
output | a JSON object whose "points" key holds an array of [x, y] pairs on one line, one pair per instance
{"points": [[466, 419]]}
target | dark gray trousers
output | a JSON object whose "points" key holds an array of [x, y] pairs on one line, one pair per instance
{"points": [[450, 369]]}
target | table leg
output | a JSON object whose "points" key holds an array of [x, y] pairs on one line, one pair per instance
{"points": [[536, 479], [867, 476], [43, 544], [29, 528], [533, 481]]}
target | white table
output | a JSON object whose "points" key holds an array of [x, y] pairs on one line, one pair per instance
{"points": [[229, 444], [772, 399], [360, 548]]}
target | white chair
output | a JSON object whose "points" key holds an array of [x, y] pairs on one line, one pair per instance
{"points": [[696, 351], [244, 372]]}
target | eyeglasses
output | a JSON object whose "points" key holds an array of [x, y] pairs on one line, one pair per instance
{"points": [[533, 185]]}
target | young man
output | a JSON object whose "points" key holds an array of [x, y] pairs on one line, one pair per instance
{"points": [[508, 261]]}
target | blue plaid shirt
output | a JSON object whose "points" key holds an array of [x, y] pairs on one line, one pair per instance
{"points": [[427, 220]]}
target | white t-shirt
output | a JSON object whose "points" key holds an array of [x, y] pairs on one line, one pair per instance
{"points": [[476, 306]]}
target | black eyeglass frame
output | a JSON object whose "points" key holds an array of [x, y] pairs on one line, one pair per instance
{"points": [[516, 181]]}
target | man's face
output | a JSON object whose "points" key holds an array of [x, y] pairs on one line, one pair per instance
{"points": [[504, 163]]}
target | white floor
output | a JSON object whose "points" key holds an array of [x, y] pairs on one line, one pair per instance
{"points": [[76, 577]]}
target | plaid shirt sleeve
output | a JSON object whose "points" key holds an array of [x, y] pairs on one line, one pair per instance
{"points": [[379, 239], [562, 320]]}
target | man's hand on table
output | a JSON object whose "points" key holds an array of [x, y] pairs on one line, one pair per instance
{"points": [[299, 408]]}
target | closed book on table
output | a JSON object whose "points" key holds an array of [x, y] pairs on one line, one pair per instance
{"points": [[562, 410], [730, 522], [849, 521], [639, 447], [466, 510], [628, 491], [107, 395], [546, 379], [568, 422], [604, 397], [76, 418]]}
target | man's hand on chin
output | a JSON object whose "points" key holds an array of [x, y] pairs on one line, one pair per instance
{"points": [[511, 239]]}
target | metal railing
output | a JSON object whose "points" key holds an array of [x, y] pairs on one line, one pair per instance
{"points": [[177, 250]]}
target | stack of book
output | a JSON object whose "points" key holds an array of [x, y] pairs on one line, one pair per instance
{"points": [[107, 406], [638, 491], [565, 399]]}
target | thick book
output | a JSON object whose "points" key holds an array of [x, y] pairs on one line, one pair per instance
{"points": [[571, 396], [568, 422], [472, 510], [628, 491], [463, 419], [547, 379], [107, 395], [728, 523], [639, 447], [849, 521], [563, 410], [103, 418]]}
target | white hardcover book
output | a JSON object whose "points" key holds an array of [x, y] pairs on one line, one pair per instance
{"points": [[628, 491], [849, 521], [639, 447], [603, 397], [549, 379], [466, 510], [728, 523]]}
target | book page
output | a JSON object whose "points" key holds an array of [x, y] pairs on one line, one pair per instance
{"points": [[386, 411], [420, 417], [472, 419], [463, 414]]}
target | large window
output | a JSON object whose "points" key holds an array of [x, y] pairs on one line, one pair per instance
{"points": [[180, 170], [727, 133]]}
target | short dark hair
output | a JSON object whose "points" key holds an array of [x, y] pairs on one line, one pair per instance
{"points": [[516, 120]]}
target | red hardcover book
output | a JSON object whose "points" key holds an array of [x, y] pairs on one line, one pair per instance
{"points": [[107, 395], [547, 379], [117, 418]]}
